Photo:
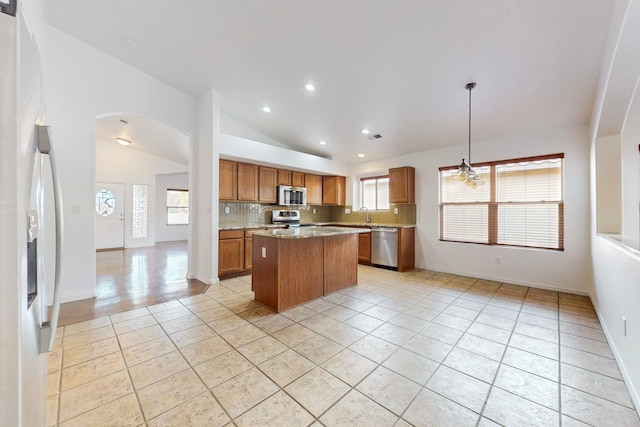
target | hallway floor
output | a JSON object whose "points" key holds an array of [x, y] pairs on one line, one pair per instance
{"points": [[418, 348], [136, 277]]}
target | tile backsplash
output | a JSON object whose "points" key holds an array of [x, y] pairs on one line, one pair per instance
{"points": [[248, 214]]}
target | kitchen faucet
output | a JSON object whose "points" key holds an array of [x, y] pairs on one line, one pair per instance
{"points": [[366, 209]]}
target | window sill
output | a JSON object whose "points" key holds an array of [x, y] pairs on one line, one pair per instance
{"points": [[632, 245]]}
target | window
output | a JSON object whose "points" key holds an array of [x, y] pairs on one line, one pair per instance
{"points": [[374, 192], [140, 193], [177, 207], [521, 204]]}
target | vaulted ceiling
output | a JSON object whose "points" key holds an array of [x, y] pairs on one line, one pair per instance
{"points": [[397, 68]]}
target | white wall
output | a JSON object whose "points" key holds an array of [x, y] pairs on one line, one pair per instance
{"points": [[122, 165], [82, 85], [568, 270], [230, 126], [616, 267], [234, 147], [164, 232], [631, 182]]}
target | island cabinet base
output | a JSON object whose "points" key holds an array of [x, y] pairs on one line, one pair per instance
{"points": [[290, 272]]}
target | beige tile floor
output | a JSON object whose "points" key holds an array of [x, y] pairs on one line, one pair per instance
{"points": [[419, 348]]}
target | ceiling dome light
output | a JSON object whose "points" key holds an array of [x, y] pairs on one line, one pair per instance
{"points": [[266, 109], [365, 131], [309, 87], [360, 155], [123, 141], [323, 142]]}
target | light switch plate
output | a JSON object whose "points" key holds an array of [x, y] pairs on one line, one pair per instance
{"points": [[395, 211], [227, 210], [347, 211]]}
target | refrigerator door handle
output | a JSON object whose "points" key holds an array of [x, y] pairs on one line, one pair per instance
{"points": [[48, 329]]}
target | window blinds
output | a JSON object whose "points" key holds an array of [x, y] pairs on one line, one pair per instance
{"points": [[522, 204]]}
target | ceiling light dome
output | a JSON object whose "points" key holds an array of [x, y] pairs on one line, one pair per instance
{"points": [[123, 141], [266, 109], [310, 87]]}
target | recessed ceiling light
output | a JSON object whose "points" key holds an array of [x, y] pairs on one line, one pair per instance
{"points": [[123, 141], [310, 87], [266, 109], [361, 155], [323, 142], [365, 131]]}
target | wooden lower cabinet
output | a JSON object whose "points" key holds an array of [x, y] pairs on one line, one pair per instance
{"points": [[406, 248], [247, 253], [230, 252], [294, 271], [364, 248]]}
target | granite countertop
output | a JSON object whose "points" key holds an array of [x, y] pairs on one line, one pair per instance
{"points": [[302, 232], [319, 224]]}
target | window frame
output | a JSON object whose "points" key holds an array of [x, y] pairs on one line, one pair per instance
{"points": [[176, 207], [369, 178], [493, 204]]}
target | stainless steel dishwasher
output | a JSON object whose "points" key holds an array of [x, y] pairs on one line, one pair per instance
{"points": [[384, 246]]}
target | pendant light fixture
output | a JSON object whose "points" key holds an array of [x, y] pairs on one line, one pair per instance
{"points": [[465, 172]]}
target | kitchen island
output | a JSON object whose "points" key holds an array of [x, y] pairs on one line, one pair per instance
{"points": [[295, 265]]}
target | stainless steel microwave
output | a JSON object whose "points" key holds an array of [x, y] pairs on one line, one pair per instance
{"points": [[288, 195]]}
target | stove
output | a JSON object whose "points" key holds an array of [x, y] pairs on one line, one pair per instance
{"points": [[290, 218]]}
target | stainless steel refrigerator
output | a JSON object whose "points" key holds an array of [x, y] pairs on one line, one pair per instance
{"points": [[26, 157]]}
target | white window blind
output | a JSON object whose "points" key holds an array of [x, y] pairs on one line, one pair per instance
{"points": [[521, 204], [374, 192], [466, 210]]}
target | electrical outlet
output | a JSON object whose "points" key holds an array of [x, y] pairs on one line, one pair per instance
{"points": [[264, 252], [75, 209], [498, 260], [395, 211], [227, 210], [624, 325], [314, 211], [347, 211]]}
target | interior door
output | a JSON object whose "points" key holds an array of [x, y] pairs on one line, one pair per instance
{"points": [[109, 216]]}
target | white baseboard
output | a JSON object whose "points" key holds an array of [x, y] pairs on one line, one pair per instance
{"points": [[633, 392]]}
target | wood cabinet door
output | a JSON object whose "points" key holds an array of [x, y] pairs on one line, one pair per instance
{"points": [[313, 183], [230, 256], [364, 248], [248, 247], [297, 179], [268, 185], [228, 180], [333, 190], [406, 249], [247, 182], [402, 185], [284, 177]]}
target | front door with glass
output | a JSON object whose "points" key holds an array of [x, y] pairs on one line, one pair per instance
{"points": [[109, 216]]}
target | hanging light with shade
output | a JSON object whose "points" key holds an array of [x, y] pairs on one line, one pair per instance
{"points": [[465, 172]]}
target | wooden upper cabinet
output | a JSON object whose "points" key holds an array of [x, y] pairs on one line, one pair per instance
{"points": [[313, 184], [247, 182], [268, 186], [333, 190], [297, 179], [228, 180], [284, 177], [402, 185]]}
